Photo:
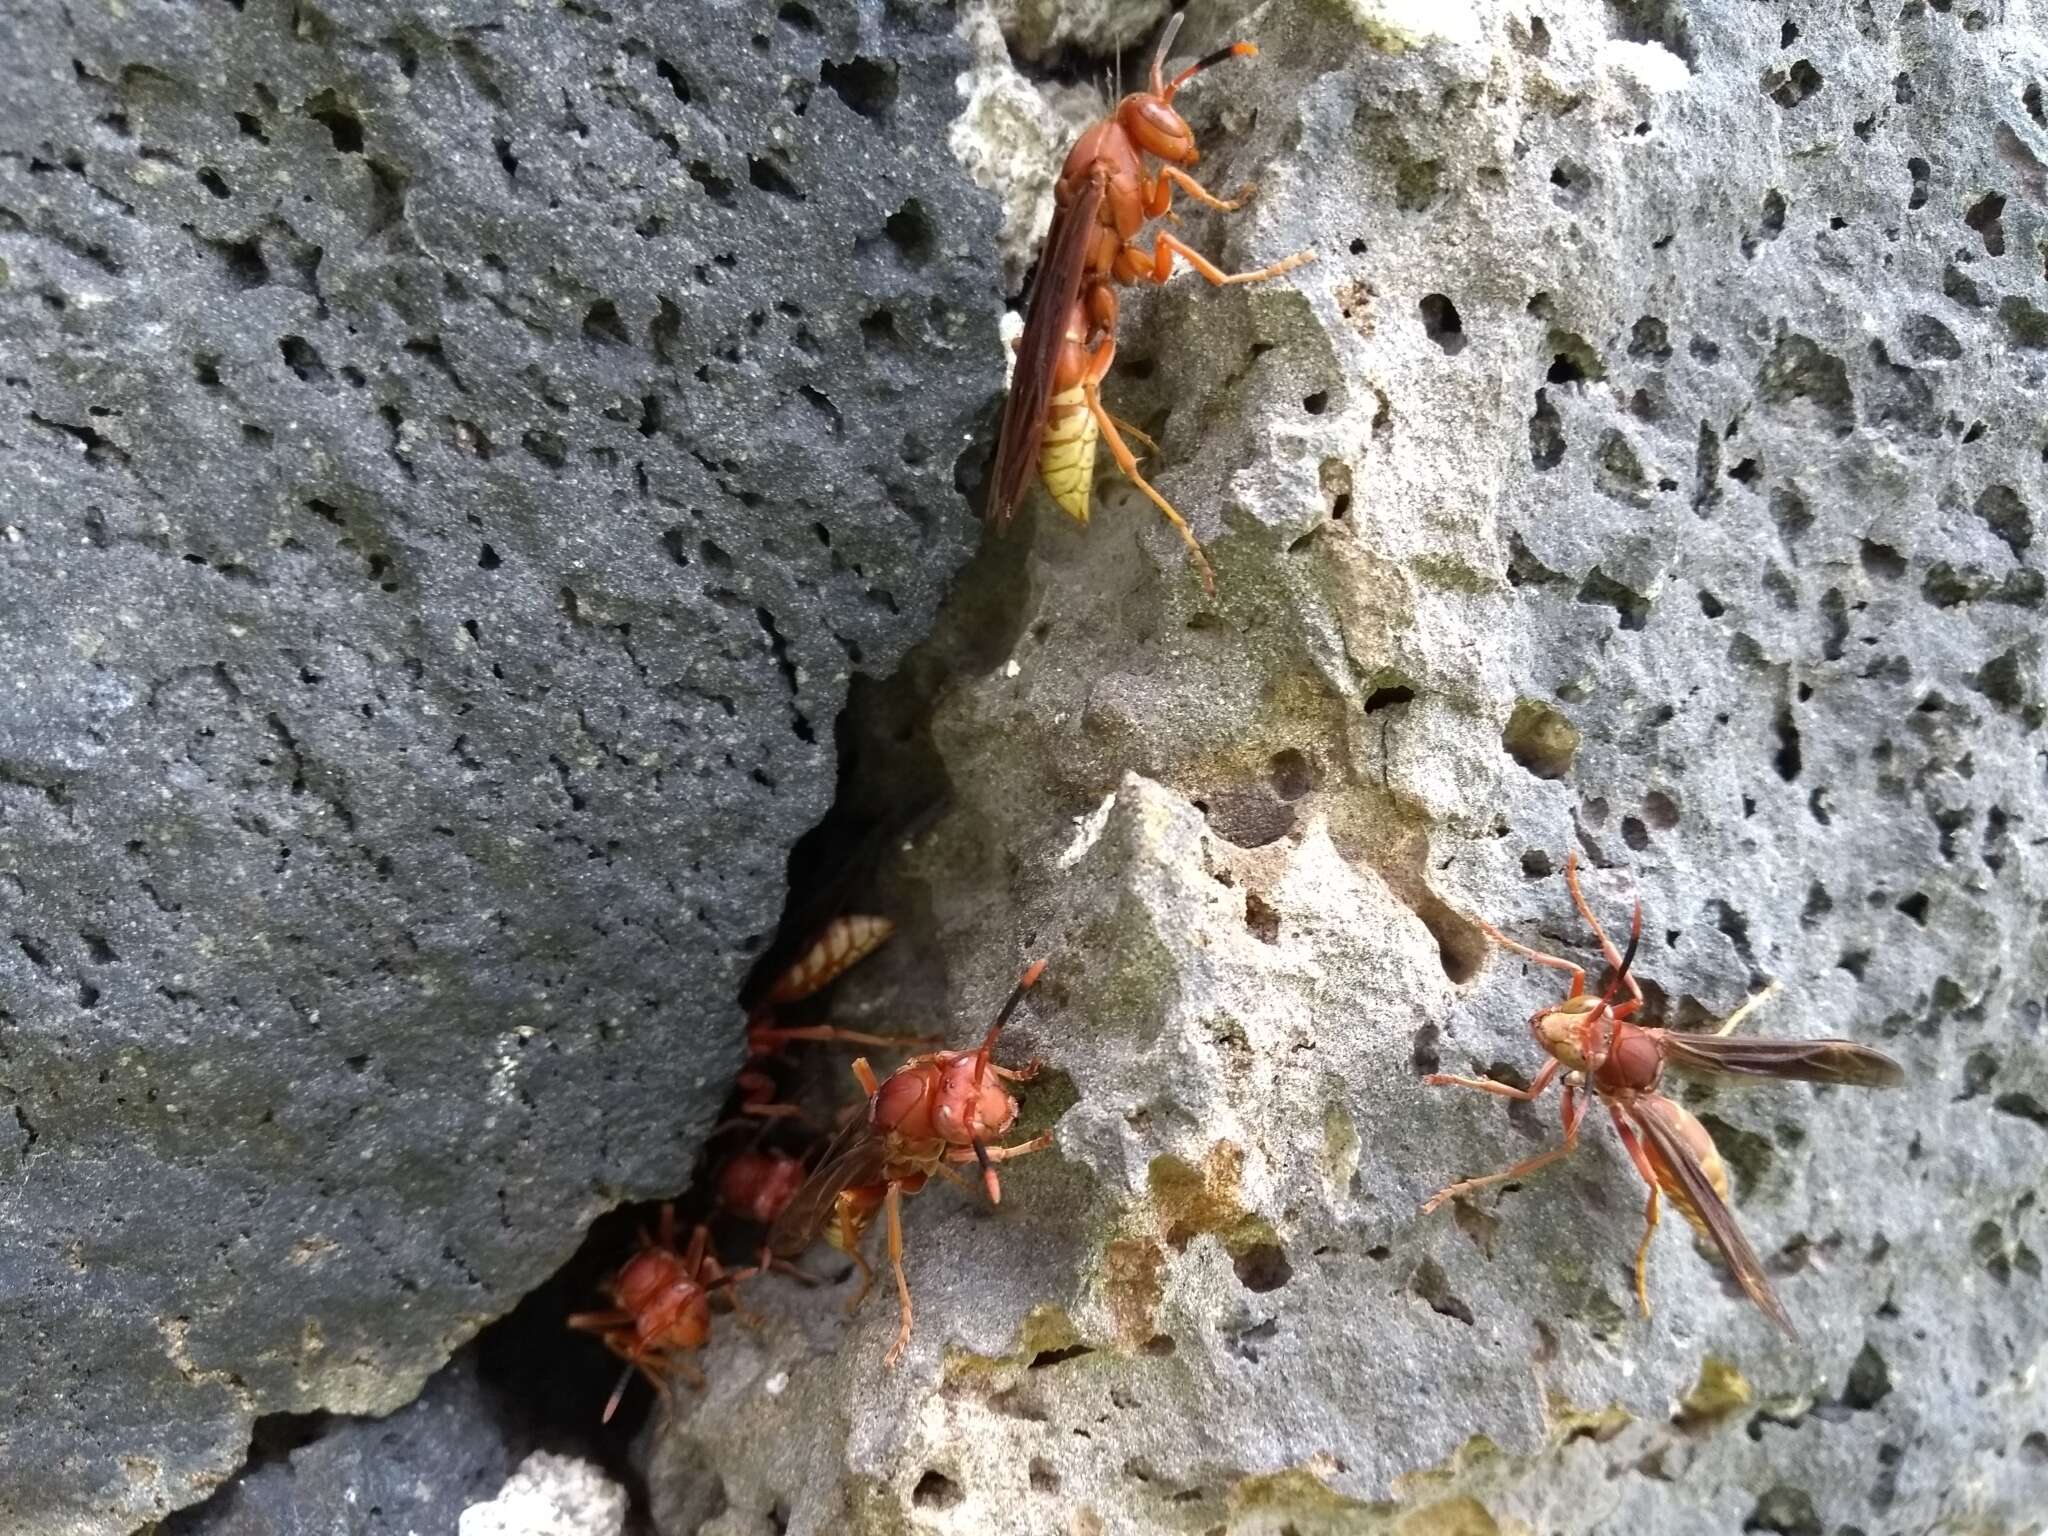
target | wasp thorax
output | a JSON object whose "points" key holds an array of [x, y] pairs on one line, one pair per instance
{"points": [[666, 1302], [757, 1185], [1634, 1060], [900, 1104], [646, 1275]]}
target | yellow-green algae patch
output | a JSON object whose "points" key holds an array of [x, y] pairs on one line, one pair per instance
{"points": [[1720, 1391], [1210, 1199], [1046, 1329]]}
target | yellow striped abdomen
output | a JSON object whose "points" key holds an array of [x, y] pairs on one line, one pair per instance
{"points": [[844, 943], [1066, 453]]}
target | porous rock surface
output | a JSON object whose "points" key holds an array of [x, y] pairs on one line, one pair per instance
{"points": [[414, 1471], [550, 1496], [455, 457], [1649, 466]]}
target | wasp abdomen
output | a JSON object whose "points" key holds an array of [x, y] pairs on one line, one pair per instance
{"points": [[1066, 454]]}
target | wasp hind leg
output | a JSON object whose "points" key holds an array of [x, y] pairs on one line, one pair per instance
{"points": [[1128, 463], [1634, 1147]]}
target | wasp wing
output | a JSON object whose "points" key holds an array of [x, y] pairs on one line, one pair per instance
{"points": [[1670, 1133], [1805, 1061], [1053, 291], [855, 1156]]}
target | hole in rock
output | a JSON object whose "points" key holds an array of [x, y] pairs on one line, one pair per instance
{"points": [[1263, 1267]]}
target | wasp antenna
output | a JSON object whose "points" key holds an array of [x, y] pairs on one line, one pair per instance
{"points": [[988, 1173], [1208, 61], [1635, 939], [1619, 978], [1166, 37], [1613, 988], [618, 1394], [1024, 984]]}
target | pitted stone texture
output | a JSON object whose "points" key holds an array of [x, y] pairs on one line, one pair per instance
{"points": [[1649, 465], [1012, 136], [455, 460], [1038, 27]]}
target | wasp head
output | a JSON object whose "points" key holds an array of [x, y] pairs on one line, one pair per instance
{"points": [[1148, 116], [1156, 129], [972, 1104], [1561, 1030]]}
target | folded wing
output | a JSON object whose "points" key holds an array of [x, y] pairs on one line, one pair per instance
{"points": [[1058, 283], [856, 1156], [1807, 1061], [1670, 1133]]}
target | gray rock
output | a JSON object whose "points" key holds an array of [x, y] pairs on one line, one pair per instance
{"points": [[411, 1474], [455, 460], [1650, 465]]}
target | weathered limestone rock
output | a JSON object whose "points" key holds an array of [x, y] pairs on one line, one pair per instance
{"points": [[550, 1496], [1650, 465], [454, 460]]}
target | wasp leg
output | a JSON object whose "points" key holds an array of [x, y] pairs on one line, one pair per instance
{"points": [[1134, 261], [713, 1274], [992, 1155], [1130, 431], [1128, 463], [1574, 1111], [895, 1213], [851, 1037], [849, 1243], [1728, 1024], [1571, 879], [1576, 972], [1159, 198], [1037, 1143], [1650, 1215], [1498, 1090]]}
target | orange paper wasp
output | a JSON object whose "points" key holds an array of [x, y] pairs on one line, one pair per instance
{"points": [[661, 1308], [1622, 1065], [1104, 196], [933, 1111]]}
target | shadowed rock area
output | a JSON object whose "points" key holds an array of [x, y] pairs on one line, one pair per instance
{"points": [[456, 458], [1650, 465]]}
